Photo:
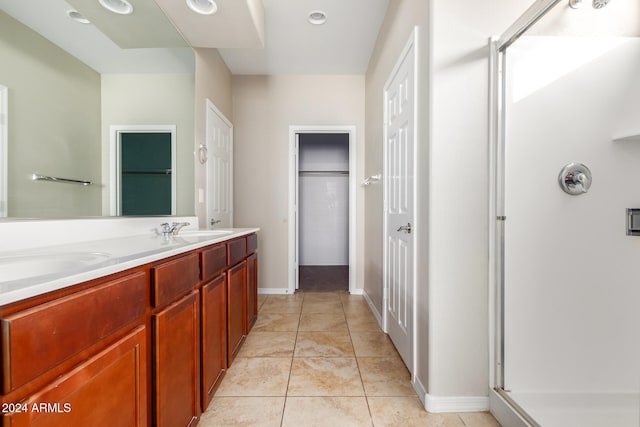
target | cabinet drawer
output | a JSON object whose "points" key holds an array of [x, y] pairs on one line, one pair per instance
{"points": [[252, 243], [214, 260], [36, 340], [236, 250], [174, 278]]}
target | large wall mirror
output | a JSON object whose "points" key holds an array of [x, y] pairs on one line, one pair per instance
{"points": [[68, 82]]}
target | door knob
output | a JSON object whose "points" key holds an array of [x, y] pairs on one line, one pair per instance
{"points": [[405, 228]]}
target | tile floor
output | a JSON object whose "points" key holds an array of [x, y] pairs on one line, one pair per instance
{"points": [[320, 359]]}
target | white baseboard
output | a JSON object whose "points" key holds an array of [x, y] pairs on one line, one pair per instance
{"points": [[420, 390], [373, 308], [456, 403], [273, 291], [357, 292]]}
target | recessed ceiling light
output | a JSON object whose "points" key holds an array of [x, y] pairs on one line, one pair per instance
{"points": [[121, 7], [317, 17], [77, 16], [203, 7]]}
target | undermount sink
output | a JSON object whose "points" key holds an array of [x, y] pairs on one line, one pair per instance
{"points": [[203, 233], [24, 266]]}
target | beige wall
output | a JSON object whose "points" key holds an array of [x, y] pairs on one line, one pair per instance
{"points": [[213, 81], [152, 99], [459, 193], [400, 20], [263, 109], [54, 125], [452, 177]]}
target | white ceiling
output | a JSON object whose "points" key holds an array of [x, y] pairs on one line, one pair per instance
{"points": [[291, 44], [237, 24]]}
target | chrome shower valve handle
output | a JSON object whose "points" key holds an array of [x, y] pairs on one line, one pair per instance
{"points": [[575, 179]]}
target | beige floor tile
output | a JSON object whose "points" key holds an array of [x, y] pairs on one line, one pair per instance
{"points": [[362, 322], [326, 412], [356, 308], [346, 296], [261, 299], [325, 377], [243, 412], [285, 297], [372, 344], [333, 322], [479, 419], [268, 344], [281, 305], [323, 344], [321, 297], [256, 376], [322, 307], [407, 412], [385, 376], [277, 322]]}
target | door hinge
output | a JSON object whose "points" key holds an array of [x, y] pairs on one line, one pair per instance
{"points": [[501, 218]]}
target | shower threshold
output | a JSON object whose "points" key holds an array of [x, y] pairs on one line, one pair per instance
{"points": [[553, 409]]}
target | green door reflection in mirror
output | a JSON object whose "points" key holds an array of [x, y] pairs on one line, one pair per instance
{"points": [[146, 171]]}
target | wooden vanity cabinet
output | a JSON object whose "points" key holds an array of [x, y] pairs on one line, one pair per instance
{"points": [[213, 315], [144, 347], [107, 390], [236, 306], [80, 358], [176, 342], [252, 291], [176, 363]]}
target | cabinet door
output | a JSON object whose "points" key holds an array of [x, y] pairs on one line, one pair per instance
{"points": [[107, 390], [214, 336], [252, 290], [176, 363], [236, 308]]}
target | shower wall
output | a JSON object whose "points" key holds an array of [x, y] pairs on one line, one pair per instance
{"points": [[572, 276]]}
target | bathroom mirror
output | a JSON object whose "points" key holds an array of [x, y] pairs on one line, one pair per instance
{"points": [[68, 83]]}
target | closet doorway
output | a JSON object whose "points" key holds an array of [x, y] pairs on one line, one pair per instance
{"points": [[322, 209]]}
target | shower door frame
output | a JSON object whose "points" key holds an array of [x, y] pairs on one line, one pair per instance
{"points": [[506, 410]]}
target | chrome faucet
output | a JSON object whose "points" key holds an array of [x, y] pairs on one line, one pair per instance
{"points": [[173, 229]]}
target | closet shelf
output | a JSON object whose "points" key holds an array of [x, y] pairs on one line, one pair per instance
{"points": [[323, 172]]}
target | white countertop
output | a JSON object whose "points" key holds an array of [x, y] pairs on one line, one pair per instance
{"points": [[107, 256]]}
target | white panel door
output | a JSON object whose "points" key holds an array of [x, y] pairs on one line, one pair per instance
{"points": [[399, 135], [219, 139]]}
